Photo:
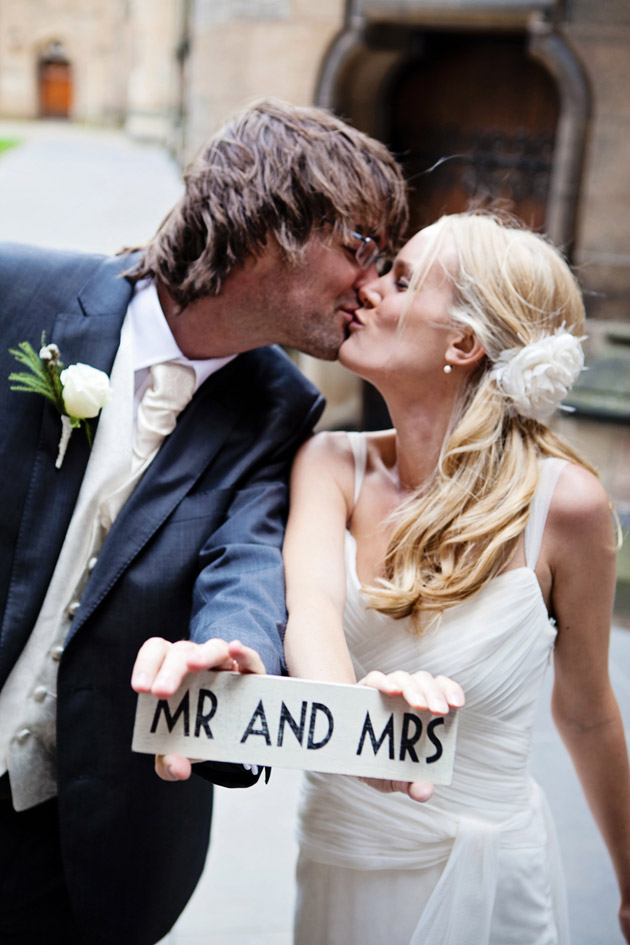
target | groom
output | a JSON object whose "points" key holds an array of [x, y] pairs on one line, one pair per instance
{"points": [[169, 530]]}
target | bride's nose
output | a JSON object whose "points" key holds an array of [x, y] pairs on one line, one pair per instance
{"points": [[369, 295]]}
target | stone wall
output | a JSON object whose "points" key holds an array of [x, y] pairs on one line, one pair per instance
{"points": [[244, 49], [600, 34]]}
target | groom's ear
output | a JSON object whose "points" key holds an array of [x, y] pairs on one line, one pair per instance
{"points": [[465, 349]]}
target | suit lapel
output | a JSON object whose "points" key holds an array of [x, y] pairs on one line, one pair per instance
{"points": [[90, 335], [201, 432]]}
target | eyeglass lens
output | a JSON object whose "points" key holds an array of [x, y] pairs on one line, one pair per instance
{"points": [[367, 251]]}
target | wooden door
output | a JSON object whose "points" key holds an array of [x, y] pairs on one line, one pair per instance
{"points": [[55, 89], [483, 115]]}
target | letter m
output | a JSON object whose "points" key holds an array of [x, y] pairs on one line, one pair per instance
{"points": [[388, 732], [171, 720]]}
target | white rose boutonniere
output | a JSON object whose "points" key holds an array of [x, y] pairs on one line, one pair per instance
{"points": [[85, 390], [538, 376], [79, 392]]}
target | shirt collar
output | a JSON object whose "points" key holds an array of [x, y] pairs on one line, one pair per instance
{"points": [[153, 341]]}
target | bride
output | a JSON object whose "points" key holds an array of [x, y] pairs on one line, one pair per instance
{"points": [[462, 548]]}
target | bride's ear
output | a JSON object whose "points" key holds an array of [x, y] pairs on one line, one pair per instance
{"points": [[465, 349]]}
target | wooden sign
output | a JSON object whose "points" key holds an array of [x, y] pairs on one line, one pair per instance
{"points": [[296, 723]]}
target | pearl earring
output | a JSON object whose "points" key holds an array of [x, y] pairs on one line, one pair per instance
{"points": [[447, 368]]}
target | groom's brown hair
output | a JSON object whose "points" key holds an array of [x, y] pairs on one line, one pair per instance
{"points": [[276, 170]]}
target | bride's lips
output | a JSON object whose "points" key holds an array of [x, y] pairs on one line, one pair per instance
{"points": [[355, 321]]}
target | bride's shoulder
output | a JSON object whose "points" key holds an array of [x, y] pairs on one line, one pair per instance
{"points": [[580, 506], [324, 460], [326, 446], [337, 445]]}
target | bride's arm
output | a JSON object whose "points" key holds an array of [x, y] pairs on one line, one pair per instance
{"points": [[315, 645], [585, 710], [321, 489]]}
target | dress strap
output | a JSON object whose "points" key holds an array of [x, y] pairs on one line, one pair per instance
{"points": [[549, 470], [358, 445]]}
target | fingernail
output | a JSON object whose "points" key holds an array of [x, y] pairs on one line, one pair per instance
{"points": [[141, 681], [172, 773], [440, 706]]}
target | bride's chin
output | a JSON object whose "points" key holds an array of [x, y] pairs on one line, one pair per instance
{"points": [[355, 366], [354, 358], [345, 357]]}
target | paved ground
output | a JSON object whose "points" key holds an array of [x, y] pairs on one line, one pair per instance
{"points": [[82, 189], [77, 188]]}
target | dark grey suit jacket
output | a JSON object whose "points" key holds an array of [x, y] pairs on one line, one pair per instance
{"points": [[196, 551]]}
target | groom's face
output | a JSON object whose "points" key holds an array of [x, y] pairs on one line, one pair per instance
{"points": [[309, 306], [265, 300]]}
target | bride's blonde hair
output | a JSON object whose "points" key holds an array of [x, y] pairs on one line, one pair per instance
{"points": [[458, 532]]}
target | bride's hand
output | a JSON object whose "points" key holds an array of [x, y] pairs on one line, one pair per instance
{"points": [[423, 692]]}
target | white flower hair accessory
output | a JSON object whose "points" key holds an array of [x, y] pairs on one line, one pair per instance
{"points": [[538, 376], [78, 392]]}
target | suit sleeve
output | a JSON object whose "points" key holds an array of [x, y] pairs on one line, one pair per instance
{"points": [[239, 592]]}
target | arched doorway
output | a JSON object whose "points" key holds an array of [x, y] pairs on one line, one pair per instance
{"points": [[54, 82], [477, 117]]}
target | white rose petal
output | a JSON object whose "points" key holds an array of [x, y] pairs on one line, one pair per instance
{"points": [[85, 390], [539, 375]]}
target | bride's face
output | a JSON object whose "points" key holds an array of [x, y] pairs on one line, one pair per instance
{"points": [[400, 334]]}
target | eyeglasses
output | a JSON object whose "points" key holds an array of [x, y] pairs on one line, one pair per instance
{"points": [[368, 250]]}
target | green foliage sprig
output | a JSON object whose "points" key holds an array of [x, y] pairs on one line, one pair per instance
{"points": [[78, 392], [43, 371]]}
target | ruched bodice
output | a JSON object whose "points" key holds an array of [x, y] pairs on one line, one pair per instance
{"points": [[497, 647], [484, 842]]}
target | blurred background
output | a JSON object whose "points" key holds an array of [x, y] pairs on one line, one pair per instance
{"points": [[524, 103]]}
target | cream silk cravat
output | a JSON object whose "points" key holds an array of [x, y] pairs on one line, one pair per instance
{"points": [[172, 386]]}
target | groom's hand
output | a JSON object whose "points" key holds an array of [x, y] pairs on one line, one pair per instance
{"points": [[161, 667]]}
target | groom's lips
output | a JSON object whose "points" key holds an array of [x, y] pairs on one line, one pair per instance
{"points": [[349, 319]]}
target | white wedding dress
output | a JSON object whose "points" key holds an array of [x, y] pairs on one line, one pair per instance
{"points": [[477, 864]]}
